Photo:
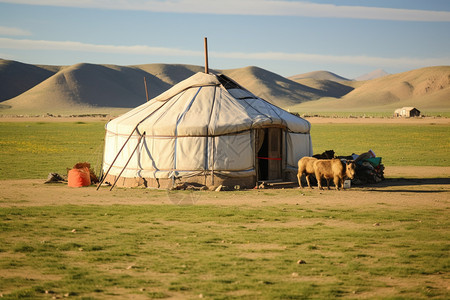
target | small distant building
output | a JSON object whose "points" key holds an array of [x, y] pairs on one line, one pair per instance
{"points": [[407, 112]]}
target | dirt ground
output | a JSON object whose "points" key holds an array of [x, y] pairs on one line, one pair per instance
{"points": [[394, 194], [424, 186], [404, 185]]}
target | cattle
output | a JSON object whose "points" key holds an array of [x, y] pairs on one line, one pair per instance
{"points": [[305, 166], [333, 169]]}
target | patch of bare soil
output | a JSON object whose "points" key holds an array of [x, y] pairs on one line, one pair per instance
{"points": [[419, 190]]}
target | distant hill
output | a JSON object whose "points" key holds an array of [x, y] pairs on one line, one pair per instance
{"points": [[426, 88], [319, 75], [273, 87], [372, 75], [170, 74], [91, 85], [328, 88], [17, 77], [41, 89]]}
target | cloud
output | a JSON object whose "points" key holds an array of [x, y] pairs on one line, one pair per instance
{"points": [[6, 56], [342, 59], [27, 44], [253, 7], [13, 31]]}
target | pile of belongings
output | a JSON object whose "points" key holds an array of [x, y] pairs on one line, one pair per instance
{"points": [[56, 178], [369, 168], [81, 175]]}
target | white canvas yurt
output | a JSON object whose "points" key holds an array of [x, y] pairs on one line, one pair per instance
{"points": [[206, 130]]}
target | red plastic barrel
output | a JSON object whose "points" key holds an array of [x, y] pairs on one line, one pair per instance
{"points": [[79, 177]]}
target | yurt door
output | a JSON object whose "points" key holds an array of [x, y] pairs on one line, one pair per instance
{"points": [[269, 154], [274, 135]]}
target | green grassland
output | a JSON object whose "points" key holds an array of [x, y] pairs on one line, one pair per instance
{"points": [[366, 114], [385, 249], [216, 252], [397, 144], [32, 150]]}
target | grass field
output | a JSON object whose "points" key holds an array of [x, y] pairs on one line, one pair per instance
{"points": [[216, 252], [394, 245], [363, 114], [397, 144], [32, 150]]}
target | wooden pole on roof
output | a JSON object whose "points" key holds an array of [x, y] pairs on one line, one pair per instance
{"points": [[206, 56], [146, 92]]}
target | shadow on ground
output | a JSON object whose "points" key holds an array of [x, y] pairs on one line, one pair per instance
{"points": [[412, 181], [409, 182]]}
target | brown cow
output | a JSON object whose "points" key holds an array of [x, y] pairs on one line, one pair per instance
{"points": [[305, 166], [333, 169]]}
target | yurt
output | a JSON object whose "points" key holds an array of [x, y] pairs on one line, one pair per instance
{"points": [[205, 130]]}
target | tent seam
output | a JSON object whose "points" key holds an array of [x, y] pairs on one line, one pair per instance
{"points": [[178, 122]]}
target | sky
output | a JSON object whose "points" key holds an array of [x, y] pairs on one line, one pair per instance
{"points": [[287, 37]]}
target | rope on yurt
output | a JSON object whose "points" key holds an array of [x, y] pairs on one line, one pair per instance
{"points": [[123, 146], [269, 107], [255, 109], [212, 142], [115, 158], [132, 153], [176, 127]]}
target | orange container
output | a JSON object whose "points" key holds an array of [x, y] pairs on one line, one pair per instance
{"points": [[79, 177]]}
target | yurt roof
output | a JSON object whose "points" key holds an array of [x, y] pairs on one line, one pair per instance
{"points": [[205, 105]]}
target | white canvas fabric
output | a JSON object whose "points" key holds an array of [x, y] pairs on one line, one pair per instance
{"points": [[199, 126]]}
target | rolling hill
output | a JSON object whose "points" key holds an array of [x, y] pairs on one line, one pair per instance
{"points": [[328, 88], [35, 89], [319, 75], [425, 88], [17, 77], [170, 74], [372, 75], [90, 85], [273, 87]]}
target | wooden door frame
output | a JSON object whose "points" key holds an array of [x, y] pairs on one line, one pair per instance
{"points": [[267, 158]]}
